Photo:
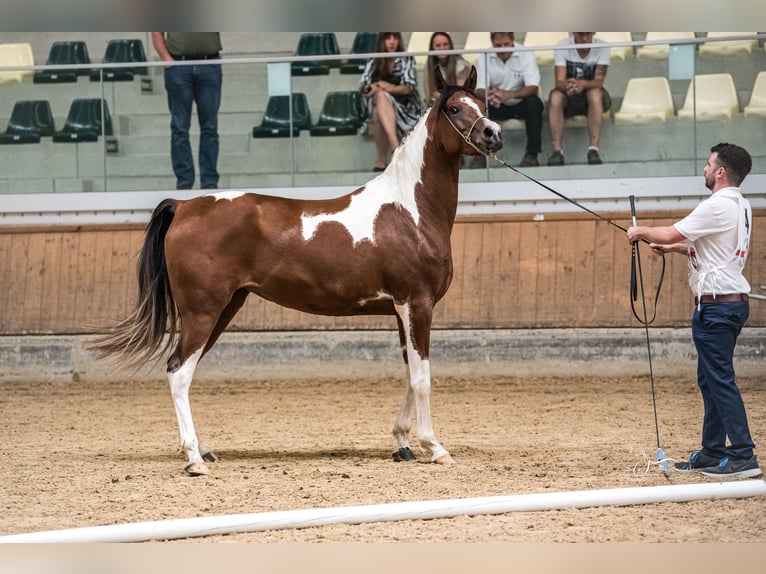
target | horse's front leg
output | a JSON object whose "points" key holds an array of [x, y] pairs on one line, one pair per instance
{"points": [[416, 320], [403, 420], [180, 379]]}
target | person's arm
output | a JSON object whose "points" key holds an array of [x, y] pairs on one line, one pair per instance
{"points": [[560, 78], [158, 40]]}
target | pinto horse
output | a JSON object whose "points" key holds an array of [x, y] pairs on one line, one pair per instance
{"points": [[383, 249]]}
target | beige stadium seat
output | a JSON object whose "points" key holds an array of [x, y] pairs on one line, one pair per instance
{"points": [[757, 105], [418, 42], [728, 47], [617, 52], [646, 100], [476, 41], [533, 39], [16, 55], [716, 98], [660, 51]]}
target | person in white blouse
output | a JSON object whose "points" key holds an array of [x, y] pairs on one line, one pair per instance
{"points": [[715, 237], [510, 82]]}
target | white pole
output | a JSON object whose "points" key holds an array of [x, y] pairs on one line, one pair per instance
{"points": [[233, 523]]}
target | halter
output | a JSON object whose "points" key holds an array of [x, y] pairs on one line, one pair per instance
{"points": [[467, 137]]}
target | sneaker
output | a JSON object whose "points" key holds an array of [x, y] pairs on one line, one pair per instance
{"points": [[529, 160], [556, 158], [697, 461], [593, 157], [735, 468]]}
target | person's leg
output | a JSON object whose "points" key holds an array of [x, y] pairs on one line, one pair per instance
{"points": [[207, 94], [595, 116], [178, 85], [715, 331], [530, 109], [556, 106], [385, 129]]}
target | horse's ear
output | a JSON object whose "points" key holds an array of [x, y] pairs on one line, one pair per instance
{"points": [[439, 80], [470, 82]]}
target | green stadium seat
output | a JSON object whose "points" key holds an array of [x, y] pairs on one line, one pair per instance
{"points": [[121, 51], [30, 119], [83, 123], [364, 43], [276, 118], [316, 44], [64, 53], [342, 114]]}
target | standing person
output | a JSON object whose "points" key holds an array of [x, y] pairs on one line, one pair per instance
{"points": [[514, 83], [579, 75], [390, 86], [454, 67], [187, 85], [715, 236]]}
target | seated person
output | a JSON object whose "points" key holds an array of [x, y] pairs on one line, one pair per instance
{"points": [[579, 76], [514, 83], [389, 85], [454, 67]]}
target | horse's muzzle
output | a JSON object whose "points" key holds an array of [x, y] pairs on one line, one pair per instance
{"points": [[491, 137]]}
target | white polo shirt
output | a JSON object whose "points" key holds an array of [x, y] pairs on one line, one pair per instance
{"points": [[717, 234], [517, 71]]}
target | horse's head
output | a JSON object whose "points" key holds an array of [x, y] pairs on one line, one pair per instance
{"points": [[466, 113]]}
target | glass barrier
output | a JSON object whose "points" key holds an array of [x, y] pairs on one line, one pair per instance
{"points": [[125, 144]]}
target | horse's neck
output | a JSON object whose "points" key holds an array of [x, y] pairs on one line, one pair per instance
{"points": [[422, 159]]}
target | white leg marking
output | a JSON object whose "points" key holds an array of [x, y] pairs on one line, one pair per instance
{"points": [[420, 388], [180, 381]]}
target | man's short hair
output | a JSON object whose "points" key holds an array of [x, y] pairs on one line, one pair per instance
{"points": [[735, 160]]}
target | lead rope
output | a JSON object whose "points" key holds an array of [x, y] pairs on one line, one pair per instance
{"points": [[662, 460]]}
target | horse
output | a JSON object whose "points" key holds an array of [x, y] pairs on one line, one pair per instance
{"points": [[383, 249]]}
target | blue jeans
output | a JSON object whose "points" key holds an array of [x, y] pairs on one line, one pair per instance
{"points": [[715, 328], [186, 85]]}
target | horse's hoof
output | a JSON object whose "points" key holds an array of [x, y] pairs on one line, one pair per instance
{"points": [[197, 469], [209, 456], [445, 459], [404, 454]]}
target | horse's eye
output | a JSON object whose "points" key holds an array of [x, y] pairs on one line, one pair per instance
{"points": [[453, 110]]}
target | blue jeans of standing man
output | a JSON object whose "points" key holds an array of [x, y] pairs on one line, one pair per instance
{"points": [[186, 85], [715, 328]]}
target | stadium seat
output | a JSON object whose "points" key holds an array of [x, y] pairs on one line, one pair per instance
{"points": [[84, 123], [617, 52], [342, 114], [660, 51], [64, 53], [476, 41], [276, 118], [646, 100], [119, 52], [418, 42], [534, 39], [757, 105], [364, 43], [716, 98], [728, 47], [316, 44], [16, 55], [30, 119]]}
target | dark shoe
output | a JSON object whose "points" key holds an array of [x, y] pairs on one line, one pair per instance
{"points": [[529, 160], [210, 186], [697, 461], [735, 468], [556, 158], [593, 157], [376, 169]]}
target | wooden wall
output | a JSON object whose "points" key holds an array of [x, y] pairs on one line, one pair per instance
{"points": [[510, 272]]}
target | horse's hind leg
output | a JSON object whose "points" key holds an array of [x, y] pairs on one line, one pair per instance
{"points": [[403, 420], [198, 334], [416, 319]]}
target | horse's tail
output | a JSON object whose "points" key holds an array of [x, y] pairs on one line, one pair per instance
{"points": [[138, 337]]}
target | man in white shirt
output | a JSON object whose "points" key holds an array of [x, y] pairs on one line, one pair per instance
{"points": [[716, 238], [514, 83], [579, 74]]}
